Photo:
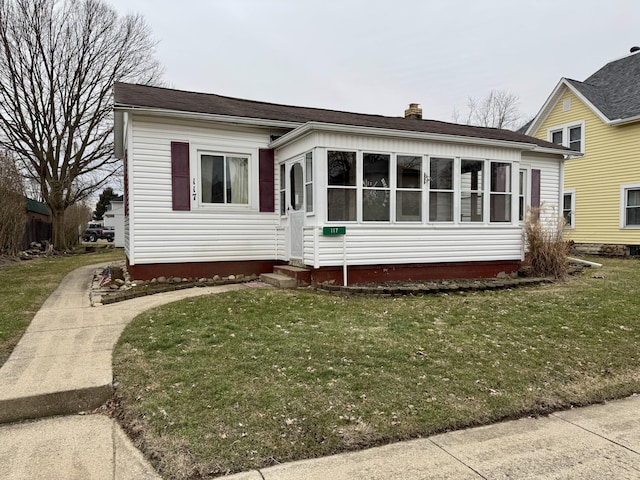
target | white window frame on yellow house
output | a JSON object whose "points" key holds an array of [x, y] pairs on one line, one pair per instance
{"points": [[624, 189], [565, 131], [572, 211]]}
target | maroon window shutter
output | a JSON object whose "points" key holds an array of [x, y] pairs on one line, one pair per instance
{"points": [[535, 193], [266, 182], [180, 175]]}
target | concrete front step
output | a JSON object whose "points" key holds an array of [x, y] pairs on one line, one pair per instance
{"points": [[279, 280], [300, 274]]}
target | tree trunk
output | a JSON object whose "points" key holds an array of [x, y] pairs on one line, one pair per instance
{"points": [[59, 241]]}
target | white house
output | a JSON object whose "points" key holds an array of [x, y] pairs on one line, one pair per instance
{"points": [[114, 217], [219, 185]]}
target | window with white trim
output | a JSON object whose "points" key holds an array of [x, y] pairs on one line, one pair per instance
{"points": [[283, 190], [630, 206], [569, 208], [522, 195], [408, 188], [342, 190], [375, 187], [500, 194], [570, 135], [471, 190], [385, 187], [441, 189], [224, 178], [308, 180]]}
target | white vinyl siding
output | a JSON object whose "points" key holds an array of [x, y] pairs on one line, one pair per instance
{"points": [[204, 234], [391, 244], [212, 233]]}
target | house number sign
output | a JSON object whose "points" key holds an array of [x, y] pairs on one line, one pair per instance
{"points": [[334, 230]]}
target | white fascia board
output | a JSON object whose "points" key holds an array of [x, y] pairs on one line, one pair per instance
{"points": [[211, 117], [624, 121], [546, 107], [355, 129], [584, 99]]}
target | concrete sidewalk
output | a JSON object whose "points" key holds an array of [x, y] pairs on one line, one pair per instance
{"points": [[62, 366], [597, 442]]}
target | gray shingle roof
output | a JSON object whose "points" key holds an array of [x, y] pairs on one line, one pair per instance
{"points": [[130, 95], [615, 88]]}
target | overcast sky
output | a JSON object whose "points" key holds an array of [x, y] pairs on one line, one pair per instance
{"points": [[374, 56]]}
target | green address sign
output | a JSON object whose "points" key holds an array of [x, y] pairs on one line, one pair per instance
{"points": [[334, 230]]}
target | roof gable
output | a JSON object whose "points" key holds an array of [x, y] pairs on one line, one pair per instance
{"points": [[130, 96], [613, 92]]}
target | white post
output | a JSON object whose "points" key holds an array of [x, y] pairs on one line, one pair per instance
{"points": [[344, 259]]}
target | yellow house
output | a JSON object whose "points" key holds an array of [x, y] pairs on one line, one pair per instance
{"points": [[600, 119]]}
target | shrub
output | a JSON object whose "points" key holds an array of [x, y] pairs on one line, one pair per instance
{"points": [[546, 249], [75, 221], [13, 212]]}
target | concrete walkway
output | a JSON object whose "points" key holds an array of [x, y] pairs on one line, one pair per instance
{"points": [[62, 366]]}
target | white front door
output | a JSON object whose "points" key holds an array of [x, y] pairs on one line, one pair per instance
{"points": [[295, 208]]}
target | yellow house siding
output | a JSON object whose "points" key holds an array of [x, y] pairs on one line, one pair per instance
{"points": [[611, 159]]}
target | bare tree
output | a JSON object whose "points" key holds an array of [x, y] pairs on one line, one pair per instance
{"points": [[499, 109], [58, 62], [13, 211]]}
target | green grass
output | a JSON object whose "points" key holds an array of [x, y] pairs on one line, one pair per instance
{"points": [[247, 379], [24, 286]]}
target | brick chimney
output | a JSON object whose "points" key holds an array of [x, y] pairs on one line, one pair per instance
{"points": [[414, 111]]}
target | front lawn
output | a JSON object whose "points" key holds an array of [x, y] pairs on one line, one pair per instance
{"points": [[25, 285], [251, 378]]}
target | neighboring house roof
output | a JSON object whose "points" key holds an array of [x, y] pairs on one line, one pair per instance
{"points": [[613, 92], [37, 207], [162, 99]]}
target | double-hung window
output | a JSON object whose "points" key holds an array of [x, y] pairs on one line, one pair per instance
{"points": [[441, 189], [471, 190], [568, 208], [375, 187], [342, 189], [308, 180], [630, 203], [408, 188], [500, 195], [570, 135], [522, 195], [283, 190], [224, 179]]}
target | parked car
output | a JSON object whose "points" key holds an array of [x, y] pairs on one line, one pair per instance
{"points": [[95, 232]]}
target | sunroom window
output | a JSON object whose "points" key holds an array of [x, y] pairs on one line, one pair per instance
{"points": [[408, 188], [441, 189], [375, 187], [522, 195], [342, 189], [471, 196], [308, 180], [500, 196], [225, 179]]}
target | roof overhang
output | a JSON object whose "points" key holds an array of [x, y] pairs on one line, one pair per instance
{"points": [[624, 121], [209, 117], [298, 130], [310, 127]]}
